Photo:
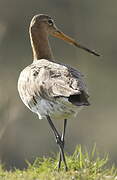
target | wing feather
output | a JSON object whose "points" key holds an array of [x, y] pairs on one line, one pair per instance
{"points": [[48, 80], [54, 80]]}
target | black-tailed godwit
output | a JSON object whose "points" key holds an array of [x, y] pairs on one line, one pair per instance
{"points": [[51, 89]]}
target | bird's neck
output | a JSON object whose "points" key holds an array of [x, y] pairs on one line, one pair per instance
{"points": [[40, 45]]}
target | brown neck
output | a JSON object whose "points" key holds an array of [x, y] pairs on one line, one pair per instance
{"points": [[40, 45]]}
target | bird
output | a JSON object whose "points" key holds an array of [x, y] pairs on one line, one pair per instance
{"points": [[51, 89]]}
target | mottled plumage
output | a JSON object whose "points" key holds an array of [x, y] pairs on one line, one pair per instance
{"points": [[50, 89], [46, 88]]}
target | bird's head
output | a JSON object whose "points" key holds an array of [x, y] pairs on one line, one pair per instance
{"points": [[47, 25]]}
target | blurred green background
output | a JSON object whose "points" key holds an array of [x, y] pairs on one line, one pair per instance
{"points": [[94, 24]]}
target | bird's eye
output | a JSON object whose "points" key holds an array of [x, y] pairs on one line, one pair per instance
{"points": [[50, 22]]}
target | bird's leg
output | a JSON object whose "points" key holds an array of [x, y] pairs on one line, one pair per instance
{"points": [[59, 141], [62, 139]]}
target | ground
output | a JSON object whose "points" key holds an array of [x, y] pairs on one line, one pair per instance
{"points": [[82, 166]]}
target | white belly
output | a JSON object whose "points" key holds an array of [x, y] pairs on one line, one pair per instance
{"points": [[56, 110]]}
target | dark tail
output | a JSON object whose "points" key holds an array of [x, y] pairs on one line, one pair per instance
{"points": [[79, 99]]}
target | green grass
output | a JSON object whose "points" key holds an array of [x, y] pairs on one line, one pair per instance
{"points": [[82, 166]]}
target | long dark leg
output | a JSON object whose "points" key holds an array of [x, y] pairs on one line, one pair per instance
{"points": [[58, 140], [62, 139]]}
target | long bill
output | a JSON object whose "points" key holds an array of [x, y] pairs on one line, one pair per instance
{"points": [[61, 35]]}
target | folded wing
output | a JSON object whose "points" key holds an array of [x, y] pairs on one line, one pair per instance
{"points": [[55, 80]]}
